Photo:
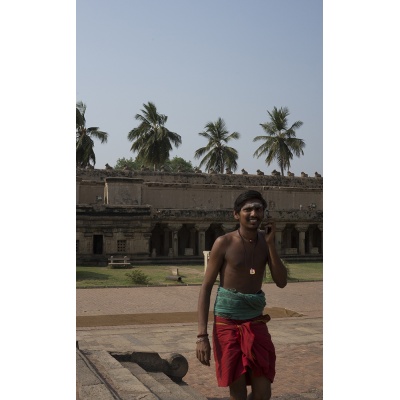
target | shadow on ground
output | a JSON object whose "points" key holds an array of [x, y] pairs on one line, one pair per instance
{"points": [[162, 318]]}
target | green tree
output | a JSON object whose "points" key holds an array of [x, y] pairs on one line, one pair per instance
{"points": [[132, 164], [151, 139], [178, 164], [218, 155], [280, 143], [84, 138]]}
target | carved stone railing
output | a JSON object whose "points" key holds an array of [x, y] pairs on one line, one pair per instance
{"points": [[315, 216], [205, 215], [204, 178]]}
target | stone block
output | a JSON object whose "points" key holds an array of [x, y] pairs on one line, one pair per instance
{"points": [[94, 392], [84, 376]]}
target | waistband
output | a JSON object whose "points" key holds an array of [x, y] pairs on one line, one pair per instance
{"points": [[226, 321]]}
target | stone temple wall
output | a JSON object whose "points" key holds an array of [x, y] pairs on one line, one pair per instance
{"points": [[189, 190], [147, 214]]}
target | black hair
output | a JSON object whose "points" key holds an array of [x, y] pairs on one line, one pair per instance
{"points": [[245, 196]]}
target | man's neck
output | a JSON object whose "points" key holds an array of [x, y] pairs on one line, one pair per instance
{"points": [[248, 235]]}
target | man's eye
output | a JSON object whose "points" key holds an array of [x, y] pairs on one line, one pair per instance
{"points": [[256, 209]]}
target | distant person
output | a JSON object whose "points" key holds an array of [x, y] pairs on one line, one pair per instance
{"points": [[243, 351]]}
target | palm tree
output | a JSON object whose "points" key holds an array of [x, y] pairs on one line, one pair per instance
{"points": [[84, 142], [281, 142], [151, 139], [218, 154]]}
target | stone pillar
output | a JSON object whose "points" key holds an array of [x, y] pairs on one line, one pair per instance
{"points": [[175, 242], [175, 237], [202, 241], [302, 238], [146, 242], [166, 241], [278, 237], [202, 236]]}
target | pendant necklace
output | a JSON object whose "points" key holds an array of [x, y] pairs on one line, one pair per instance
{"points": [[252, 270]]}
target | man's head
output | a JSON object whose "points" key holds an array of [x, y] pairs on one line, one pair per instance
{"points": [[246, 196]]}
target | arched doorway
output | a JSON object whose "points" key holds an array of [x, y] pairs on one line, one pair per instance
{"points": [[290, 238], [160, 240]]}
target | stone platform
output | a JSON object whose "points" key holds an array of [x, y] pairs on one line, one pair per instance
{"points": [[298, 339]]}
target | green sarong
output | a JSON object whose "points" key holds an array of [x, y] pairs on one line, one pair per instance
{"points": [[232, 304]]}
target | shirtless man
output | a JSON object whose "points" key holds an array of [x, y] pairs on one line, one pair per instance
{"points": [[243, 351]]}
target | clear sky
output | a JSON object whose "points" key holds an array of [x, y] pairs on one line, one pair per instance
{"points": [[198, 61]]}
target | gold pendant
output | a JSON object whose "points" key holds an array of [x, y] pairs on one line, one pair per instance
{"points": [[252, 271]]}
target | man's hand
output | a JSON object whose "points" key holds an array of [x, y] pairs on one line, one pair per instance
{"points": [[270, 231], [203, 351]]}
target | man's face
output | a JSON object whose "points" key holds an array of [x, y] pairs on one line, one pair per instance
{"points": [[251, 213]]}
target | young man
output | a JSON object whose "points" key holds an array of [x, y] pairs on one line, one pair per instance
{"points": [[243, 351]]}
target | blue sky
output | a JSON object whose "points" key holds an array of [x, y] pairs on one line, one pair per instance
{"points": [[198, 61]]}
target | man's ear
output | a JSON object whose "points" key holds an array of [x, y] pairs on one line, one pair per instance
{"points": [[236, 215]]}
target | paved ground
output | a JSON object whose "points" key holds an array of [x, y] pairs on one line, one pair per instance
{"points": [[298, 340]]}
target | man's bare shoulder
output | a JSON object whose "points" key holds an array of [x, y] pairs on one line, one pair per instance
{"points": [[224, 240]]}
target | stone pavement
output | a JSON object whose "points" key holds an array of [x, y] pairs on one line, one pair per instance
{"points": [[298, 340]]}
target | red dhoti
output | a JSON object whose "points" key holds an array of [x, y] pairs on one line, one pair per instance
{"points": [[240, 346]]}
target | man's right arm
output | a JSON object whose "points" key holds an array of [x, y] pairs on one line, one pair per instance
{"points": [[215, 262]]}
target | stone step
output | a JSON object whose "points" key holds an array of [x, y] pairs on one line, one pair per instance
{"points": [[88, 384], [179, 391], [162, 385], [100, 376], [119, 381]]}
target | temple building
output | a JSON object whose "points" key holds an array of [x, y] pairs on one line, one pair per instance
{"points": [[153, 216]]}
